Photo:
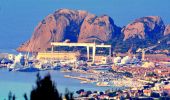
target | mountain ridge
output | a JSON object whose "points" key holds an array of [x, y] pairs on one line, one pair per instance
{"points": [[82, 26]]}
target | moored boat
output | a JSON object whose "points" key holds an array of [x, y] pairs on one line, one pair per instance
{"points": [[103, 84], [27, 69]]}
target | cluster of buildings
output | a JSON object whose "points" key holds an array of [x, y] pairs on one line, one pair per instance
{"points": [[156, 86], [151, 91], [91, 56], [153, 73]]}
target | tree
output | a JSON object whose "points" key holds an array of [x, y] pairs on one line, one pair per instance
{"points": [[11, 96], [68, 95], [45, 89]]}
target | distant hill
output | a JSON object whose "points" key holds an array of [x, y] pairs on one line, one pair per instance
{"points": [[82, 26]]}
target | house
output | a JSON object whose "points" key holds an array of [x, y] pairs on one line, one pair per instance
{"points": [[147, 92], [166, 89]]}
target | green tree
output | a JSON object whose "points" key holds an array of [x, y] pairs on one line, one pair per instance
{"points": [[45, 89]]}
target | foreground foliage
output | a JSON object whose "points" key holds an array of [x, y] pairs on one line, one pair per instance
{"points": [[45, 89]]}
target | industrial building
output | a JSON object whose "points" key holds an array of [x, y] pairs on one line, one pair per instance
{"points": [[64, 55]]}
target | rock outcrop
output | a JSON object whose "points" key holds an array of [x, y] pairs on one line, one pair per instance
{"points": [[63, 24], [167, 30], [98, 29], [75, 25], [150, 27], [81, 26]]}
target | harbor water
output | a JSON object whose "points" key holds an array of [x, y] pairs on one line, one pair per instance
{"points": [[23, 82]]}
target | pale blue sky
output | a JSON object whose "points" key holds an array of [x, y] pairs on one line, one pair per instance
{"points": [[18, 18]]}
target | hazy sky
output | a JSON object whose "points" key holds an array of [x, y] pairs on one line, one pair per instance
{"points": [[18, 18]]}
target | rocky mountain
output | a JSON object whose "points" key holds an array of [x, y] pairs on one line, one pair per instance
{"points": [[63, 24], [151, 27], [142, 32], [167, 30], [75, 25], [98, 29], [81, 26]]}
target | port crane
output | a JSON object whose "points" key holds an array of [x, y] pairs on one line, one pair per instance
{"points": [[144, 50]]}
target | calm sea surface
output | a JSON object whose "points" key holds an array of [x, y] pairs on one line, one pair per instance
{"points": [[22, 82]]}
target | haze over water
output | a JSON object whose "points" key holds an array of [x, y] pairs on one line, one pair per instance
{"points": [[18, 18]]}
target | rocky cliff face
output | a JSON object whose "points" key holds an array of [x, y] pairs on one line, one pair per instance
{"points": [[167, 30], [150, 27], [98, 29], [77, 26], [81, 26], [63, 24]]}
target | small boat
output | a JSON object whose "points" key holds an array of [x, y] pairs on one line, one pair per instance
{"points": [[84, 82], [67, 76], [43, 66], [103, 84], [27, 69], [56, 68]]}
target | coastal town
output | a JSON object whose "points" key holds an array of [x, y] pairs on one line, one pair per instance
{"points": [[84, 50], [136, 76]]}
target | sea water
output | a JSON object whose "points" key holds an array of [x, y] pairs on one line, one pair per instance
{"points": [[23, 82]]}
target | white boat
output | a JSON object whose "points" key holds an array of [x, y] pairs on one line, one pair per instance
{"points": [[103, 84], [84, 82], [43, 66]]}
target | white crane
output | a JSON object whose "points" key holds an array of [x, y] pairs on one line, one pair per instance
{"points": [[143, 50]]}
